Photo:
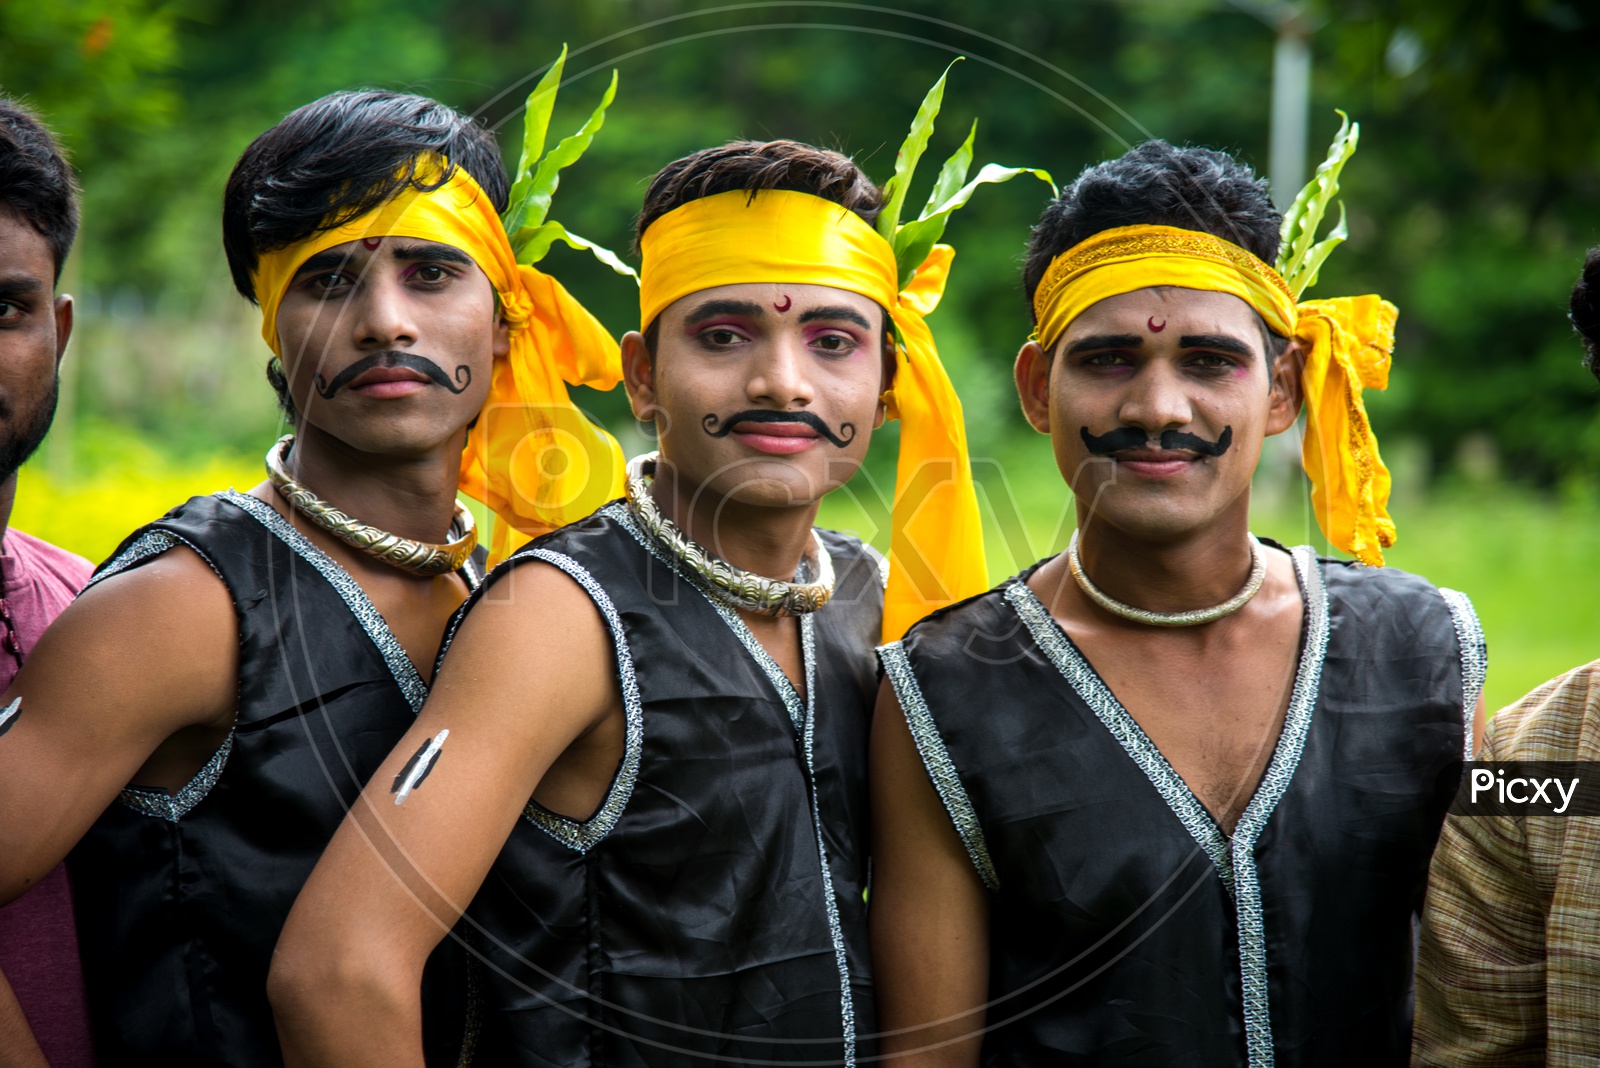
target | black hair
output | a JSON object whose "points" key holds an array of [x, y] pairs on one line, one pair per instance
{"points": [[340, 157], [1585, 310], [1155, 184], [336, 159], [758, 165], [35, 181]]}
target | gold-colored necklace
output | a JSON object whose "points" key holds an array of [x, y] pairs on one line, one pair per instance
{"points": [[728, 584], [1192, 618], [417, 557]]}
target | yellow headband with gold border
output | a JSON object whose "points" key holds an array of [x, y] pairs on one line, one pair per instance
{"points": [[533, 458], [936, 544], [1347, 343]]}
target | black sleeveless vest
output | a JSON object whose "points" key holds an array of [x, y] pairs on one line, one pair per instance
{"points": [[180, 897], [711, 910], [1125, 928]]}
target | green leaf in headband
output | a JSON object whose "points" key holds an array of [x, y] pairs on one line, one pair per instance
{"points": [[539, 174], [1300, 255], [534, 241], [905, 160], [913, 241]]}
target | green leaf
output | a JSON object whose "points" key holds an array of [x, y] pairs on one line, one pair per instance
{"points": [[533, 243], [535, 125], [547, 176], [1319, 252], [1301, 221], [905, 160], [913, 241], [952, 174]]}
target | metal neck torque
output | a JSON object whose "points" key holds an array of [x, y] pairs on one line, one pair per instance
{"points": [[728, 584], [416, 557], [1192, 618]]}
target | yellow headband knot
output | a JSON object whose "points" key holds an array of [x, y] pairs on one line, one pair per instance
{"points": [[533, 458], [1347, 342], [936, 542]]}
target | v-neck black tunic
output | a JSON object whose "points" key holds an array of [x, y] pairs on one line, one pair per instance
{"points": [[711, 911], [180, 897], [1124, 927]]}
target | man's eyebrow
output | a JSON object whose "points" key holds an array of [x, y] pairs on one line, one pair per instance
{"points": [[1105, 341], [327, 260], [713, 308], [429, 250], [835, 311], [20, 286], [1216, 343]]}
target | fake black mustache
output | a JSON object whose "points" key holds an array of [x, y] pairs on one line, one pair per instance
{"points": [[1131, 437], [420, 364], [847, 431]]}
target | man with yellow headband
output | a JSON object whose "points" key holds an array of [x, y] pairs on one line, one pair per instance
{"points": [[1169, 798], [197, 724], [681, 683]]}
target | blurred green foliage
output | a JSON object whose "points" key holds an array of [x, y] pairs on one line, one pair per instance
{"points": [[1475, 192]]}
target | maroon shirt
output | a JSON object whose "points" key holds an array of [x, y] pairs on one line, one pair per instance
{"points": [[38, 941]]}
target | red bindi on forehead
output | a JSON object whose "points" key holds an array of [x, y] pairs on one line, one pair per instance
{"points": [[371, 243], [785, 306], [1156, 328]]}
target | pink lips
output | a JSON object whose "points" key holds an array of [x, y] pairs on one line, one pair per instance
{"points": [[1155, 463], [390, 382], [777, 439]]}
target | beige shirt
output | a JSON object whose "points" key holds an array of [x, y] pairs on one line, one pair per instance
{"points": [[1509, 970]]}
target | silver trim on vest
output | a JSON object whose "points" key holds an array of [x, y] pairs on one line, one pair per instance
{"points": [[584, 835], [936, 759], [1474, 659], [1235, 861], [804, 722], [152, 801], [152, 542], [355, 598], [1050, 638], [1274, 784]]}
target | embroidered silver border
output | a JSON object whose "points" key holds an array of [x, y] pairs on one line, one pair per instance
{"points": [[152, 542], [1474, 659], [1103, 703], [804, 722], [149, 800], [584, 835], [936, 759], [173, 807], [1274, 783], [355, 598]]}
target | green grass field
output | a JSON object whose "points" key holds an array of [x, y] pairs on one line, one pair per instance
{"points": [[1526, 561]]}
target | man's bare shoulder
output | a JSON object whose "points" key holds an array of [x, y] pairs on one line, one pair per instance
{"points": [[170, 619]]}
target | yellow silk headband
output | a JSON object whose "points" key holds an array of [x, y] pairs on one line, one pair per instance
{"points": [[533, 457], [936, 542], [1347, 343]]}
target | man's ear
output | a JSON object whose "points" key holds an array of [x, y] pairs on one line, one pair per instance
{"points": [[502, 333], [1287, 392], [639, 376], [1033, 385], [63, 314]]}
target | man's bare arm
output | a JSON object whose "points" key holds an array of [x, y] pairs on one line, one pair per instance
{"points": [[131, 663], [532, 669], [929, 914], [18, 1047]]}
